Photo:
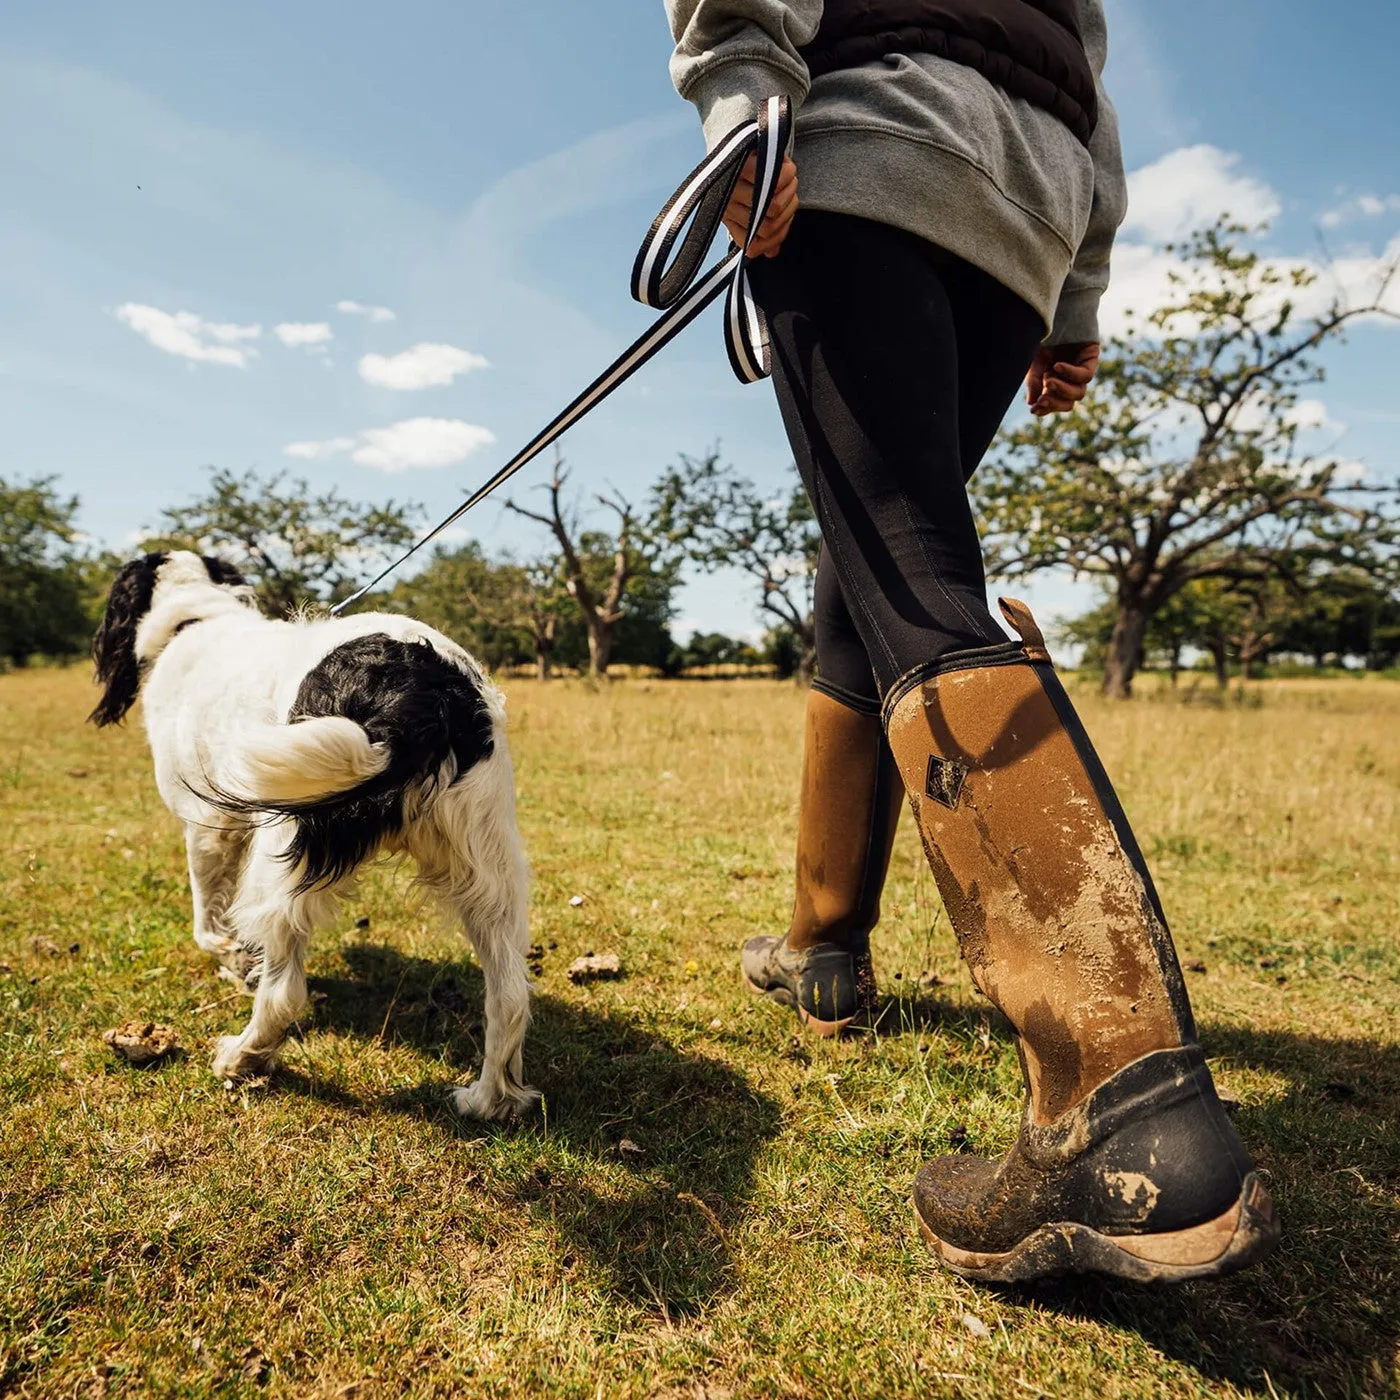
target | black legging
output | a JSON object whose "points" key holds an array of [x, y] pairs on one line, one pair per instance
{"points": [[894, 363]]}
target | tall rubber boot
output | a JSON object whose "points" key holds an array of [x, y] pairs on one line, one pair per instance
{"points": [[1126, 1163], [849, 808]]}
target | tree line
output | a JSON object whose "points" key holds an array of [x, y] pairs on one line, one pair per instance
{"points": [[1187, 484], [598, 591]]}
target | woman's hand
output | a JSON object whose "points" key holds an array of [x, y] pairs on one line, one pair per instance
{"points": [[781, 208], [1059, 377]]}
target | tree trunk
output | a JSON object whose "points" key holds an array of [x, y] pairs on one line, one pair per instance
{"points": [[1175, 662], [542, 663], [1124, 653], [1221, 657], [600, 639]]}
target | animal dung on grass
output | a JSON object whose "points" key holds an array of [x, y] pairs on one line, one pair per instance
{"points": [[142, 1042], [595, 968]]}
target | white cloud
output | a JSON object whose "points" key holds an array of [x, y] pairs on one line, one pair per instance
{"points": [[313, 335], [413, 442], [1364, 206], [1191, 187], [358, 308], [1141, 282], [421, 442], [314, 451], [1307, 415], [423, 367], [190, 336]]}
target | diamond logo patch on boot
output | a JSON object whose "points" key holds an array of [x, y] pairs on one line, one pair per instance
{"points": [[944, 781]]}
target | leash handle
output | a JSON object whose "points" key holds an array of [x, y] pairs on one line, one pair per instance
{"points": [[666, 275]]}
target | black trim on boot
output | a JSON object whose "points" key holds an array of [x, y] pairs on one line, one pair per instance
{"points": [[1006, 653], [1144, 1179]]}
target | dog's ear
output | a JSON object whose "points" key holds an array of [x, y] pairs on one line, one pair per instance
{"points": [[221, 572], [114, 646]]}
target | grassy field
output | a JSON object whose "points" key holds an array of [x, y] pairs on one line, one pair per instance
{"points": [[337, 1232]]}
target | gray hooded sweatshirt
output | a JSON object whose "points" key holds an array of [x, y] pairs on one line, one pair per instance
{"points": [[927, 145]]}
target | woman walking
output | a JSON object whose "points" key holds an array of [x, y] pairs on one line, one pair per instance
{"points": [[960, 187]]}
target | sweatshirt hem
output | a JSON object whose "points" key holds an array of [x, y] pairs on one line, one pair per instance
{"points": [[950, 200]]}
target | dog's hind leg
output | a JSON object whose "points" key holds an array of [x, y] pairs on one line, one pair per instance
{"points": [[215, 856], [275, 920], [470, 854]]}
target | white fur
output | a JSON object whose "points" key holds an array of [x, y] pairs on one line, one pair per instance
{"points": [[301, 762], [215, 699]]}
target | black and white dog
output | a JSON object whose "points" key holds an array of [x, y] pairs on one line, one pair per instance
{"points": [[294, 752]]}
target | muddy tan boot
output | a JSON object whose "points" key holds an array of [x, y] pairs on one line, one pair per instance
{"points": [[851, 796], [1126, 1163]]}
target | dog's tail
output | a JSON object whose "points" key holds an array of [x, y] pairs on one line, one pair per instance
{"points": [[378, 728], [276, 765]]}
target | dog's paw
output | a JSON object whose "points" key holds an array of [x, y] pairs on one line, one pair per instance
{"points": [[238, 963], [233, 1063], [479, 1100]]}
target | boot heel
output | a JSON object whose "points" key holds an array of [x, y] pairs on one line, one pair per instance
{"points": [[1235, 1239]]}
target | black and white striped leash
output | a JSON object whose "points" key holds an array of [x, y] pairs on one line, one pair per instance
{"points": [[666, 276]]}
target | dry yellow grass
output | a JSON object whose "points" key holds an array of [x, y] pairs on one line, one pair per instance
{"points": [[337, 1232]]}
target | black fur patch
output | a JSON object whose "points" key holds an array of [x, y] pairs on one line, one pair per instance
{"points": [[404, 695], [114, 646], [220, 571]]}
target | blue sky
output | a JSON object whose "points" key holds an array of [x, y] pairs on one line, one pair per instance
{"points": [[483, 170]]}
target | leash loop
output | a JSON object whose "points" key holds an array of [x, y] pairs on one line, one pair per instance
{"points": [[666, 276]]}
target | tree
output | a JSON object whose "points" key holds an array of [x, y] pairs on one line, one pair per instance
{"points": [[501, 611], [607, 574], [1186, 463], [1347, 613], [724, 521], [46, 592], [293, 546]]}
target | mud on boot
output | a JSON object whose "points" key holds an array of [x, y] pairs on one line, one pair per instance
{"points": [[1143, 1180], [1126, 1164]]}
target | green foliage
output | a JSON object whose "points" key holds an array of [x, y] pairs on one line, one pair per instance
{"points": [[722, 520], [1187, 461], [294, 546], [47, 585], [1340, 617]]}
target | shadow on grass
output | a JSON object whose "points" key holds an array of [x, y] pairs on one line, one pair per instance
{"points": [[1320, 1317], [655, 1226]]}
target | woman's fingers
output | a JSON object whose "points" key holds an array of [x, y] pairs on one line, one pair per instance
{"points": [[1057, 396], [1035, 382], [778, 218]]}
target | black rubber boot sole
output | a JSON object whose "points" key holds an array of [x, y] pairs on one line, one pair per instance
{"points": [[1239, 1237], [784, 997]]}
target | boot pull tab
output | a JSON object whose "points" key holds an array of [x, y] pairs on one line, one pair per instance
{"points": [[1019, 616]]}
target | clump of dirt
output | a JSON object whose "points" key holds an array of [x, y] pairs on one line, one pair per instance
{"points": [[595, 967], [142, 1042]]}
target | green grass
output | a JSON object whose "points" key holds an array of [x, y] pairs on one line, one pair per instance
{"points": [[337, 1232]]}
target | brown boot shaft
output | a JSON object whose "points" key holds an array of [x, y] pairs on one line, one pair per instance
{"points": [[849, 808], [1042, 880]]}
